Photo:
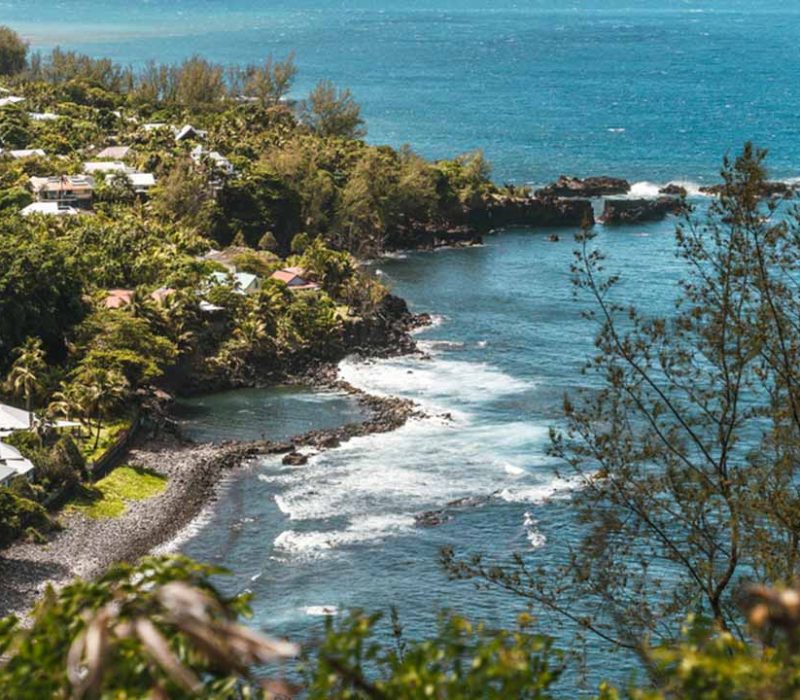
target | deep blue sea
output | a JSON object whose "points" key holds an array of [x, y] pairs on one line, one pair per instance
{"points": [[652, 90], [648, 89]]}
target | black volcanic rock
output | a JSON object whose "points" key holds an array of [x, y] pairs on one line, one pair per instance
{"points": [[673, 190], [599, 186], [295, 459], [537, 212], [768, 189], [632, 211]]}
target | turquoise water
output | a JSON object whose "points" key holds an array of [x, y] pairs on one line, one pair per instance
{"points": [[653, 90], [508, 341], [275, 414], [648, 89]]}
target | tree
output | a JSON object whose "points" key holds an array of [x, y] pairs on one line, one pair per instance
{"points": [[40, 289], [158, 630], [272, 81], [119, 341], [462, 661], [199, 83], [99, 391], [25, 377], [184, 195], [333, 112], [13, 52], [685, 457]]}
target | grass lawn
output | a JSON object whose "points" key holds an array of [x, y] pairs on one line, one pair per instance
{"points": [[108, 435], [107, 498]]}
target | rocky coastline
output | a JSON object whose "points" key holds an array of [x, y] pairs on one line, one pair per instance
{"points": [[565, 203], [85, 547]]}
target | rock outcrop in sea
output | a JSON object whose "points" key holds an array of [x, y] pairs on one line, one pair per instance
{"points": [[597, 186], [634, 211]]}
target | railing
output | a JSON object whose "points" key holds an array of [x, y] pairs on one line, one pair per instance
{"points": [[100, 467]]}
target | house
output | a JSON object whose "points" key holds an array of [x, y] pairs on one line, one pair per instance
{"points": [[114, 153], [294, 278], [10, 100], [13, 464], [12, 419], [220, 161], [26, 153], [43, 116], [154, 126], [6, 474], [142, 182], [208, 308], [223, 257], [242, 282], [117, 298], [106, 166], [162, 294], [75, 190], [189, 132], [48, 209]]}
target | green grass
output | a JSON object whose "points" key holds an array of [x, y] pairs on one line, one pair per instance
{"points": [[108, 497], [108, 435]]}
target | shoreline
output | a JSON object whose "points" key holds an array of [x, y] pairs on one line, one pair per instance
{"points": [[86, 547]]}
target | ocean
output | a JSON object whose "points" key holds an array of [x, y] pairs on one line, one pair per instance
{"points": [[646, 89], [652, 90]]}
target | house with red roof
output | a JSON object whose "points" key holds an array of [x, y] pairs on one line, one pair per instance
{"points": [[294, 278]]}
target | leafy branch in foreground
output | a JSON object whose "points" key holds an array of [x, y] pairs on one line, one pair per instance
{"points": [[685, 452], [156, 630]]}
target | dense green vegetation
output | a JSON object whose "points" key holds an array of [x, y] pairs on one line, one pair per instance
{"points": [[270, 182], [687, 455]]}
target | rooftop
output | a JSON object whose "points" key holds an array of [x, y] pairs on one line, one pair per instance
{"points": [[117, 298], [114, 153], [49, 209], [105, 166]]}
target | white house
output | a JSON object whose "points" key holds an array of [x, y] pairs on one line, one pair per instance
{"points": [[67, 189], [189, 132], [142, 182], [48, 209], [10, 100], [220, 161], [13, 464], [43, 116], [25, 153], [12, 419], [114, 153], [106, 166]]}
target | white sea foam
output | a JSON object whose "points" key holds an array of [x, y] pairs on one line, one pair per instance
{"points": [[436, 320], [650, 190], [432, 383], [513, 470], [535, 538], [322, 610], [557, 488], [644, 189], [187, 533], [370, 529]]}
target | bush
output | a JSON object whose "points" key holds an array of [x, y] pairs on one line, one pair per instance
{"points": [[17, 514], [13, 52]]}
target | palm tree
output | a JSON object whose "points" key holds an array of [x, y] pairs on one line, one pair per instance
{"points": [[23, 379], [103, 391]]}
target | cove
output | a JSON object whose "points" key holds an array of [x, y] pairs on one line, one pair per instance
{"points": [[508, 341]]}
